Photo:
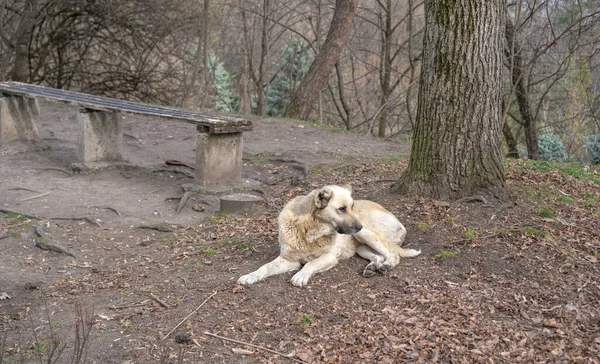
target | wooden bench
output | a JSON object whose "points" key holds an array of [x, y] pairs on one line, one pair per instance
{"points": [[219, 142]]}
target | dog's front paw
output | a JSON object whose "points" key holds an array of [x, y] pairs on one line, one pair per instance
{"points": [[248, 279], [300, 279], [390, 263], [370, 270]]}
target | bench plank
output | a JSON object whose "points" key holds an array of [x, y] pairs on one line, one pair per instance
{"points": [[216, 124]]}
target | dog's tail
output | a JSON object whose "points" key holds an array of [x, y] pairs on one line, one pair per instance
{"points": [[405, 253]]}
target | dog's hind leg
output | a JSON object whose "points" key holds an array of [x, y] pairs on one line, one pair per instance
{"points": [[376, 261], [277, 266], [320, 264], [373, 241]]}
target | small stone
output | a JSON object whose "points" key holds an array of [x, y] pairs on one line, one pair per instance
{"points": [[182, 338], [33, 285]]}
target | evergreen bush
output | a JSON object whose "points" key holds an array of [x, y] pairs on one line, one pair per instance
{"points": [[551, 148], [592, 147]]}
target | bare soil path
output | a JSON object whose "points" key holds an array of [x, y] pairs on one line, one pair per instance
{"points": [[503, 283]]}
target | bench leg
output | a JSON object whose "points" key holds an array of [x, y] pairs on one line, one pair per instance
{"points": [[18, 119], [100, 136], [218, 159]]}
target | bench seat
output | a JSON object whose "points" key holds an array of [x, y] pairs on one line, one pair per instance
{"points": [[219, 141]]}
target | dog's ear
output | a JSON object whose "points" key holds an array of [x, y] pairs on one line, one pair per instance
{"points": [[347, 187], [322, 198]]}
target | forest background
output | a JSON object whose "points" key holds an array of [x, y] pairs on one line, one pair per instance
{"points": [[250, 56]]}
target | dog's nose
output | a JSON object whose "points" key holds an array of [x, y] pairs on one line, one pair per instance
{"points": [[358, 227]]}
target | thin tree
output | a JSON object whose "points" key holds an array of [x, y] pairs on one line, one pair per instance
{"points": [[456, 150], [307, 93]]}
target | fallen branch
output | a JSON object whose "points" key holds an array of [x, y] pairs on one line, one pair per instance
{"points": [[151, 192], [143, 303], [184, 199], [57, 169], [159, 301], [40, 243], [4, 236], [476, 238], [254, 346], [175, 171], [23, 189], [173, 162], [86, 219], [19, 213], [188, 316], [36, 196], [161, 228], [472, 199], [109, 208]]}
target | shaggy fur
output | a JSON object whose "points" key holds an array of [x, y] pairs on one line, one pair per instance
{"points": [[327, 225]]}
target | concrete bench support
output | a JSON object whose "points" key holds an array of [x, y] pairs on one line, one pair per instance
{"points": [[18, 119], [218, 158], [100, 136]]}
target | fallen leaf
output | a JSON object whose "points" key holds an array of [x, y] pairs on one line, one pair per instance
{"points": [[305, 355], [242, 351]]}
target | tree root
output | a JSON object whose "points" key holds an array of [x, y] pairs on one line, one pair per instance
{"points": [[41, 239]]}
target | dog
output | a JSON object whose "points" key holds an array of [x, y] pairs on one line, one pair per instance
{"points": [[318, 230]]}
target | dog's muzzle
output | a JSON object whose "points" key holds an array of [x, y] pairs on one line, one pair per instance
{"points": [[349, 231]]}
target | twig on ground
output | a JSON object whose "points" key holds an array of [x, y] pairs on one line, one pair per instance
{"points": [[6, 211], [175, 171], [109, 208], [36, 196], [477, 238], [3, 237], [86, 219], [47, 246], [151, 192], [254, 346], [131, 136], [84, 322], [23, 189], [4, 345], [184, 199], [159, 301], [188, 316], [143, 303], [173, 162], [57, 169], [161, 228], [477, 198]]}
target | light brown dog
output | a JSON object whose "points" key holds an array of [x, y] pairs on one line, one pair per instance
{"points": [[327, 225]]}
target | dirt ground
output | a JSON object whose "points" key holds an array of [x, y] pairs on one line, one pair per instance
{"points": [[507, 283]]}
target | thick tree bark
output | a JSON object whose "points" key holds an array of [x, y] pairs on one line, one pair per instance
{"points": [[307, 93], [456, 150], [522, 96], [20, 71], [385, 70], [511, 142]]}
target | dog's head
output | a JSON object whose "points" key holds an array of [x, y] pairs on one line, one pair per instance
{"points": [[334, 207]]}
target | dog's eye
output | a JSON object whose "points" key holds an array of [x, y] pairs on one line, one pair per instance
{"points": [[342, 209]]}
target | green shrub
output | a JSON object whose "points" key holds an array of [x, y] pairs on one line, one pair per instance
{"points": [[551, 148], [592, 147]]}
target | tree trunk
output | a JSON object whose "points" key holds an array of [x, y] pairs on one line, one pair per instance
{"points": [[385, 71], [511, 142], [456, 150], [302, 100], [205, 65], [244, 96], [20, 71], [518, 81], [261, 102]]}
